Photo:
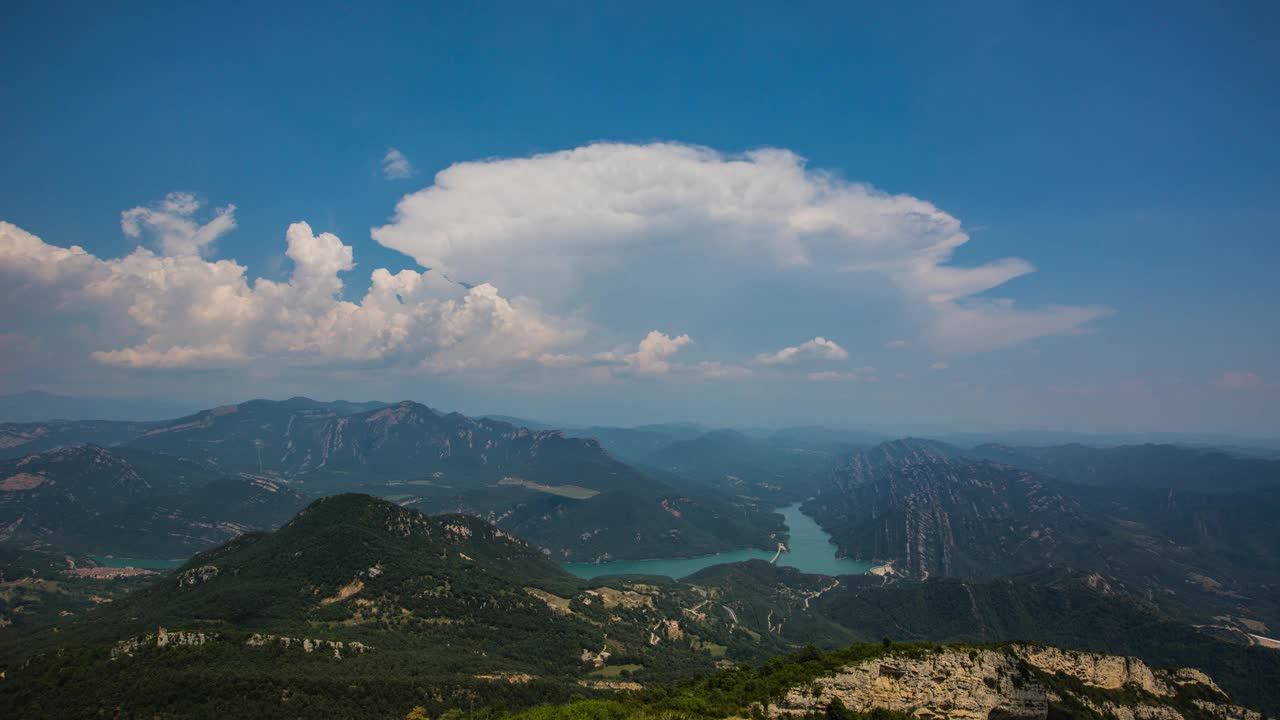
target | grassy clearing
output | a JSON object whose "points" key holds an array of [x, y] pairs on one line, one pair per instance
{"points": [[573, 492], [712, 648], [554, 601], [615, 671]]}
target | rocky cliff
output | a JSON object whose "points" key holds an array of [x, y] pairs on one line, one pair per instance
{"points": [[1014, 681], [935, 514]]}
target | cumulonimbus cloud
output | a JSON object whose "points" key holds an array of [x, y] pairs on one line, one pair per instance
{"points": [[545, 225]]}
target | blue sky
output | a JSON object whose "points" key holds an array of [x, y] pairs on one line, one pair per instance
{"points": [[1127, 153]]}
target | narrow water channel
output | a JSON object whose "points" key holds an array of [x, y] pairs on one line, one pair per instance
{"points": [[811, 551]]}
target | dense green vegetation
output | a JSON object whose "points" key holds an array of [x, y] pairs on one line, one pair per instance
{"points": [[123, 501], [35, 590], [449, 606], [402, 610]]}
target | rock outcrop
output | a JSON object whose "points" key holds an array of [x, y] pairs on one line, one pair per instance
{"points": [[163, 638], [978, 684], [1013, 682]]}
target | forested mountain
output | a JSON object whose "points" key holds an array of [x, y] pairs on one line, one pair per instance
{"points": [[1071, 546], [361, 608], [359, 592], [566, 494], [123, 501]]}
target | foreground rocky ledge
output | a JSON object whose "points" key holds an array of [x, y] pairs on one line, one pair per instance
{"points": [[1014, 682]]}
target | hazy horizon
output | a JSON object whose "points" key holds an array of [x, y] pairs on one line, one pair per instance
{"points": [[34, 406]]}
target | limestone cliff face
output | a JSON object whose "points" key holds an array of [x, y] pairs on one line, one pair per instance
{"points": [[1109, 672], [934, 514], [948, 684], [1011, 683]]}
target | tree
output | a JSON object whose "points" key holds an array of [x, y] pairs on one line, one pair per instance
{"points": [[837, 711]]}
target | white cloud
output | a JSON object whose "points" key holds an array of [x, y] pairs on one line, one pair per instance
{"points": [[172, 225], [1237, 380], [650, 357], [182, 311], [550, 225], [975, 324], [717, 369], [896, 344], [939, 365], [395, 166], [818, 348]]}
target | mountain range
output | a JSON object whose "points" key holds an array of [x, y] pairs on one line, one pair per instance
{"points": [[361, 608], [412, 554], [567, 494]]}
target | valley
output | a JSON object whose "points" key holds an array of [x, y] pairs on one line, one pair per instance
{"points": [[337, 545], [808, 549], [640, 361]]}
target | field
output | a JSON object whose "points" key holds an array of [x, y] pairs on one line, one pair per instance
{"points": [[573, 492]]}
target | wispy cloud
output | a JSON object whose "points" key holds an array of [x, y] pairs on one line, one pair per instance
{"points": [[1237, 380], [395, 166], [818, 348], [717, 369], [862, 374]]}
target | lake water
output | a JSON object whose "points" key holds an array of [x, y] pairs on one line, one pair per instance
{"points": [[811, 552], [144, 564]]}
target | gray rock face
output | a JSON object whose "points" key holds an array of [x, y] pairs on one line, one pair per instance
{"points": [[950, 684], [1008, 683]]}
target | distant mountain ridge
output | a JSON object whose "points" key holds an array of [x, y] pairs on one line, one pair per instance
{"points": [[88, 499], [29, 438], [934, 512], [300, 438], [566, 494]]}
